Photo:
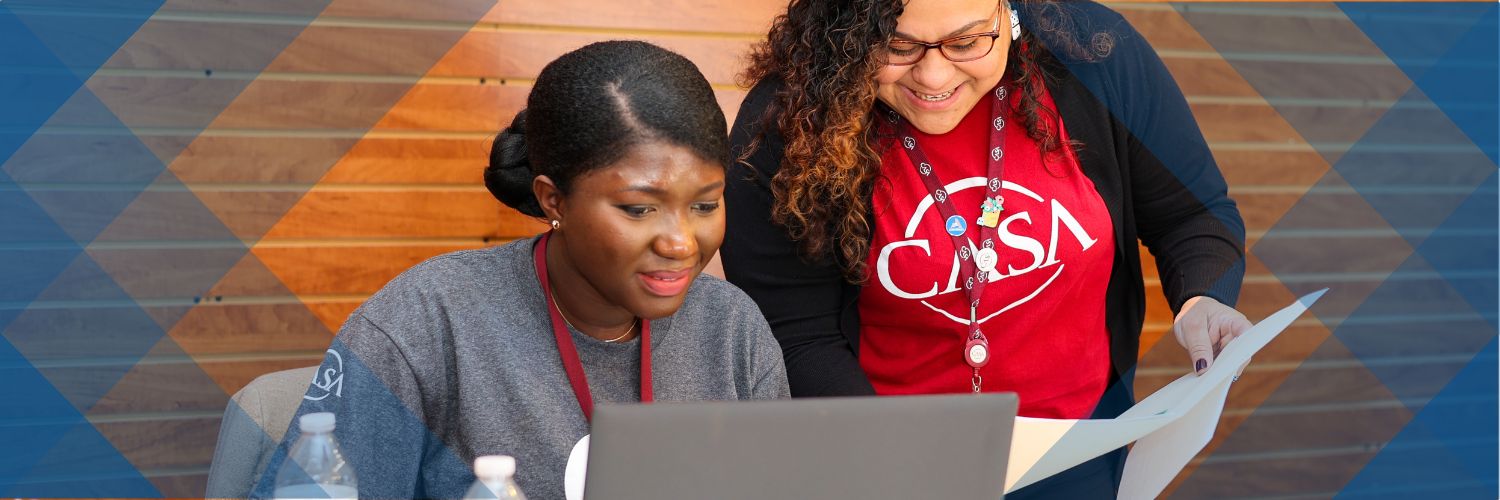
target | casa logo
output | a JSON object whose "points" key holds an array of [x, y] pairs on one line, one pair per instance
{"points": [[329, 380], [1025, 243]]}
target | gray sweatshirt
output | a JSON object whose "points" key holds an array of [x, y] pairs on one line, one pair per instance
{"points": [[455, 358]]}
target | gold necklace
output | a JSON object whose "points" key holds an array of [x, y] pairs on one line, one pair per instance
{"points": [[558, 305]]}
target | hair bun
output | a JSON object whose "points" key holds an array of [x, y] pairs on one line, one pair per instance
{"points": [[509, 174]]}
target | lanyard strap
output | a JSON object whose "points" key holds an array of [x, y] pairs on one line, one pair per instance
{"points": [[976, 263], [571, 363]]}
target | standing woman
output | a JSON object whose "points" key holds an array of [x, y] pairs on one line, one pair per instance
{"points": [[945, 196], [505, 350]]}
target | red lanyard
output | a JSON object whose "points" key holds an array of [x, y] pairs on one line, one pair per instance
{"points": [[571, 363], [977, 263]]}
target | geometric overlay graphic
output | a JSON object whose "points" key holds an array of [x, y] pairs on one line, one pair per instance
{"points": [[147, 147], [195, 193], [1400, 100]]}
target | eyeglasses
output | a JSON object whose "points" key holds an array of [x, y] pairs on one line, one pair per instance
{"points": [[957, 49]]}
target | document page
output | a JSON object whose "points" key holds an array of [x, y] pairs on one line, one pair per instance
{"points": [[1168, 428]]}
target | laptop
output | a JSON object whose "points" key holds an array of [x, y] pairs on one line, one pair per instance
{"points": [[898, 447]]}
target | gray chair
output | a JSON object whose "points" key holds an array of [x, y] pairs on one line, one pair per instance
{"points": [[254, 423]]}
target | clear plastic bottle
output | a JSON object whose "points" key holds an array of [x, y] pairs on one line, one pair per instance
{"points": [[496, 479], [315, 468]]}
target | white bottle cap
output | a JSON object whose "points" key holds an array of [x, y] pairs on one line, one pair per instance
{"points": [[316, 422], [494, 466]]}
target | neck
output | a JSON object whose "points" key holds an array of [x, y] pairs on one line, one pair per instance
{"points": [[584, 307]]}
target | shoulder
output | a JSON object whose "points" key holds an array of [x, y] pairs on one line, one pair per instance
{"points": [[760, 96], [712, 293], [1079, 31], [755, 126], [451, 283], [1093, 55], [717, 305], [465, 270]]}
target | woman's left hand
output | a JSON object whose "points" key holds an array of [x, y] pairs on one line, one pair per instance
{"points": [[1204, 327]]}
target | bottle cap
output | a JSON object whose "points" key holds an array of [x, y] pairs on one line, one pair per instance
{"points": [[316, 422], [494, 466]]}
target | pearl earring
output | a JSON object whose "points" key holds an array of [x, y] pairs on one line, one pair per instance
{"points": [[556, 224]]}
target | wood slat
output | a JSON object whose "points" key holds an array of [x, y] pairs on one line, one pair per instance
{"points": [[277, 104], [116, 330], [350, 270], [211, 159], [185, 216], [1282, 79], [90, 158], [1202, 75], [178, 44], [729, 16], [488, 108], [1164, 29], [392, 161], [1244, 30], [366, 51], [242, 328], [523, 54], [202, 387], [164, 443], [1263, 211], [1325, 428], [1208, 76], [296, 107], [1244, 123], [485, 108], [166, 272], [460, 161], [1273, 168], [1316, 385], [391, 51], [749, 18], [180, 485], [1317, 475], [440, 10], [333, 314], [220, 215], [470, 213], [307, 160], [277, 7]]}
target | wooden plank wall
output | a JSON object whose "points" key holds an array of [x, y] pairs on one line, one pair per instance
{"points": [[342, 172]]}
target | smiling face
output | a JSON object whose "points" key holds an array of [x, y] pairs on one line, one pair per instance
{"points": [[934, 94], [634, 234]]}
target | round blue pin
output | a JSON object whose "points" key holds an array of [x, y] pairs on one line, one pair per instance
{"points": [[957, 226]]}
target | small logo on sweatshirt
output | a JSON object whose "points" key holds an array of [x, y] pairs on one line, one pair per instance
{"points": [[329, 380]]}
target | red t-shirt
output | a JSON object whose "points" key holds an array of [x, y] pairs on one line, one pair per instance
{"points": [[1044, 319]]}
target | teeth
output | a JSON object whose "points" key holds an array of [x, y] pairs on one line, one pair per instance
{"points": [[935, 97]]}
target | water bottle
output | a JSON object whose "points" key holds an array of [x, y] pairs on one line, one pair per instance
{"points": [[315, 468], [496, 479]]}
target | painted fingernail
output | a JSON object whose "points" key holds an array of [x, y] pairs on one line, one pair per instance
{"points": [[1202, 363]]}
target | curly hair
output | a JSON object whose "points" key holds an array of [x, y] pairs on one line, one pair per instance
{"points": [[826, 53]]}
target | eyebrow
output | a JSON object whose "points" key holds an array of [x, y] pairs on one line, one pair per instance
{"points": [[653, 190], [960, 31]]}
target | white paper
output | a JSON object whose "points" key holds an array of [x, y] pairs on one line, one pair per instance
{"points": [[1169, 427], [578, 467]]}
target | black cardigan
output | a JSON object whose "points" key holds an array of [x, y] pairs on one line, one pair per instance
{"points": [[1123, 106]]}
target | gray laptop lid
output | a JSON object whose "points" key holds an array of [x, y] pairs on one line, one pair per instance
{"points": [[899, 447]]}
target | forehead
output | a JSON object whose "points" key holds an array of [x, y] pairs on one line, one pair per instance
{"points": [[936, 18], [658, 165]]}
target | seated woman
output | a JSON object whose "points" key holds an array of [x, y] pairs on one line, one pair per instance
{"points": [[505, 350]]}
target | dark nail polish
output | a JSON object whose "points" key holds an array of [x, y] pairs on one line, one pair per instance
{"points": [[1202, 363]]}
